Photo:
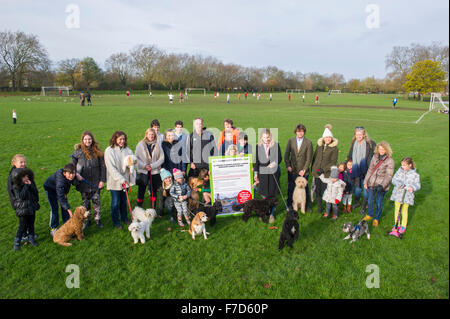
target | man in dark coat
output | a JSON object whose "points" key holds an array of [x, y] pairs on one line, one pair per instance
{"points": [[199, 146], [297, 157]]}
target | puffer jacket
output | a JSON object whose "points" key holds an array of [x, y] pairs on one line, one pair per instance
{"points": [[92, 170], [383, 175], [334, 190], [12, 174], [404, 180], [26, 196], [200, 148], [61, 186], [180, 190], [115, 173], [173, 156], [324, 157], [347, 178]]}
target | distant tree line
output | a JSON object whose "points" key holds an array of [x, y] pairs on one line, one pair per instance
{"points": [[24, 63]]}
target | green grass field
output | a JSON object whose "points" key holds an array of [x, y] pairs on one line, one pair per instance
{"points": [[239, 260]]}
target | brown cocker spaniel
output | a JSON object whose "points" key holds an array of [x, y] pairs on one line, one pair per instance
{"points": [[73, 227]]}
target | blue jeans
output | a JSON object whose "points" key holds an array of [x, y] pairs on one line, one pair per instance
{"points": [[118, 204], [54, 216], [378, 197], [358, 189]]}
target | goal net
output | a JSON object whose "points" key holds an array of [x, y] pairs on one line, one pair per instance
{"points": [[55, 90], [436, 102], [188, 90], [334, 91]]}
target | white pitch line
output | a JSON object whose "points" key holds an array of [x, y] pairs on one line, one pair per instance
{"points": [[416, 122]]}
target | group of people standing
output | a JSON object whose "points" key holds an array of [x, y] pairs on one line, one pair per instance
{"points": [[85, 97], [367, 173]]}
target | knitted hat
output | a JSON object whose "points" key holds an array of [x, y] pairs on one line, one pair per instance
{"points": [[334, 172], [164, 174], [177, 174], [327, 131]]}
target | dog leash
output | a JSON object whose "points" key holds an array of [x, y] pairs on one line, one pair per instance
{"points": [[282, 197], [126, 192], [152, 197]]}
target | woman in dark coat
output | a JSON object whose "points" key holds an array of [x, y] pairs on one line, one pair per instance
{"points": [[325, 156], [173, 153], [361, 153], [267, 168], [90, 164]]}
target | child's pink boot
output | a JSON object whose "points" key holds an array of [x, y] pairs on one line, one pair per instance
{"points": [[394, 232]]}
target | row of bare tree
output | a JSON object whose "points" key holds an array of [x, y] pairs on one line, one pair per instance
{"points": [[24, 62]]}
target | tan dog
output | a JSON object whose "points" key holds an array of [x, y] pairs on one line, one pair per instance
{"points": [[195, 182], [73, 227], [198, 225], [193, 200], [299, 196]]}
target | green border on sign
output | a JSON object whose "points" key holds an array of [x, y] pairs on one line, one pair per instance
{"points": [[211, 179]]}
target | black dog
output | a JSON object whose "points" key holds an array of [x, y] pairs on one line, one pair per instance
{"points": [[211, 211], [261, 207], [290, 229]]}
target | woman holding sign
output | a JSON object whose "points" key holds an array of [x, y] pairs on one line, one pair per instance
{"points": [[267, 168]]}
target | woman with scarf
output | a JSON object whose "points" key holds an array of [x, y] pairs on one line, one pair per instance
{"points": [[378, 180], [150, 158], [267, 168], [361, 152]]}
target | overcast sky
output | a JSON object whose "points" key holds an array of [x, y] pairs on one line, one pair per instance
{"points": [[307, 36]]}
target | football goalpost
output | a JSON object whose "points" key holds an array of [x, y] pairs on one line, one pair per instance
{"points": [[188, 90], [55, 90], [436, 102]]}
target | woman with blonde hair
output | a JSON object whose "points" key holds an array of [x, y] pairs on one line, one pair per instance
{"points": [[378, 180], [267, 167], [360, 153], [150, 158], [90, 164]]}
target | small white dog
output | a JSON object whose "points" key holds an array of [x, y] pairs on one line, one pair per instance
{"points": [[144, 215], [299, 196], [137, 230], [129, 162]]}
